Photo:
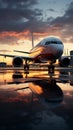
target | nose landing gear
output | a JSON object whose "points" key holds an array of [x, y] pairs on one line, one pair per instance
{"points": [[26, 67], [51, 68]]}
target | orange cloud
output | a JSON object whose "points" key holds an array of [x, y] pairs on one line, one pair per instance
{"points": [[12, 37]]}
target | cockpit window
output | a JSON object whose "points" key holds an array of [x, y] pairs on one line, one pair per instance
{"points": [[60, 42], [53, 42], [50, 42], [47, 43]]}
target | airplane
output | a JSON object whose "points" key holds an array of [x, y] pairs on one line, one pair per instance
{"points": [[47, 50]]}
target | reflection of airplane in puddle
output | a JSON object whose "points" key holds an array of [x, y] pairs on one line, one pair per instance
{"points": [[49, 49], [47, 92], [17, 77], [71, 80], [46, 89], [65, 77], [21, 104]]}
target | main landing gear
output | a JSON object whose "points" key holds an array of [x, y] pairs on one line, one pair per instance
{"points": [[51, 68], [26, 66]]}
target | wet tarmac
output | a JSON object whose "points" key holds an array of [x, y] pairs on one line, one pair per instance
{"points": [[36, 99]]}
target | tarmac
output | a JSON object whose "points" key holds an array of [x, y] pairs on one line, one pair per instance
{"points": [[36, 99]]}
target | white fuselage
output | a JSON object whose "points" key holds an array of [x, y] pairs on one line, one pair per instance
{"points": [[49, 49]]}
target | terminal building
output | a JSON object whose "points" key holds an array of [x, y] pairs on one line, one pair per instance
{"points": [[71, 58]]}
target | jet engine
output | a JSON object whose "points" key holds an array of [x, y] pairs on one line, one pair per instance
{"points": [[17, 62], [64, 61]]}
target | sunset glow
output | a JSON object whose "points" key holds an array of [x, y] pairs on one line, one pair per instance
{"points": [[19, 19]]}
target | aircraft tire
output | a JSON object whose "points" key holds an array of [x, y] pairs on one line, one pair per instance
{"points": [[51, 68], [26, 67]]}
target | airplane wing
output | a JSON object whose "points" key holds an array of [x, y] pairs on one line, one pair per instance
{"points": [[68, 56], [23, 57], [22, 51]]}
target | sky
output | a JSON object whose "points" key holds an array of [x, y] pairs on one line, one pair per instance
{"points": [[20, 18]]}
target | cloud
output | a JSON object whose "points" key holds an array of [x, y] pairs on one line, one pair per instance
{"points": [[15, 15], [12, 38], [17, 3], [52, 10], [64, 24], [20, 17]]}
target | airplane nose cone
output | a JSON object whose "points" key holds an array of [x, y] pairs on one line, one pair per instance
{"points": [[59, 51]]}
